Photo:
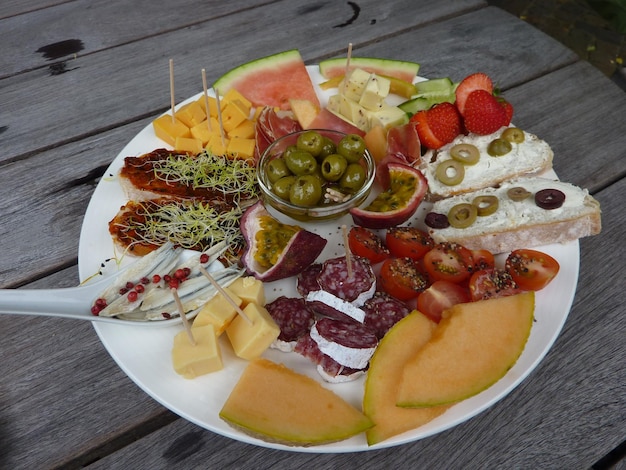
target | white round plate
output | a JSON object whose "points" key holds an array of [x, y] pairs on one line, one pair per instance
{"points": [[144, 354]]}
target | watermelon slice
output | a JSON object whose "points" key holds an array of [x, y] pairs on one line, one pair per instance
{"points": [[271, 81], [403, 70]]}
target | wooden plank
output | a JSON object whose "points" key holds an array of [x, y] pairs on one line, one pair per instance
{"points": [[62, 394], [55, 109], [9, 8], [567, 414], [80, 21]]}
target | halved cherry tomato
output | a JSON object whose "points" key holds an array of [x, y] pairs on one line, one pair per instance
{"points": [[531, 269], [483, 259], [401, 278], [440, 296], [367, 244], [492, 283], [409, 242], [449, 262]]}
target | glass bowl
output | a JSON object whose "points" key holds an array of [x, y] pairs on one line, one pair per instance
{"points": [[325, 211]]}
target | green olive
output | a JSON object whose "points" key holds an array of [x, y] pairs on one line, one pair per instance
{"points": [[276, 169], [289, 150], [328, 148], [333, 167], [301, 163], [450, 172], [486, 205], [513, 134], [518, 193], [306, 191], [499, 147], [353, 178], [282, 187], [462, 215], [351, 147], [310, 141], [467, 154]]}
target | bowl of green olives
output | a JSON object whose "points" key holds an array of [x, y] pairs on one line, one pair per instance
{"points": [[316, 174]]}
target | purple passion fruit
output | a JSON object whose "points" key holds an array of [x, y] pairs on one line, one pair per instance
{"points": [[396, 204], [275, 250]]}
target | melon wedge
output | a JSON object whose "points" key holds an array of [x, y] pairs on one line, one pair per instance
{"points": [[406, 71], [399, 345], [271, 81], [474, 346], [273, 403]]}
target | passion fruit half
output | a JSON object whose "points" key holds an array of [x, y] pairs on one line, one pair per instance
{"points": [[275, 250], [397, 203]]}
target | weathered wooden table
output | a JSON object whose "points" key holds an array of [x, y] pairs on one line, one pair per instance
{"points": [[66, 112]]}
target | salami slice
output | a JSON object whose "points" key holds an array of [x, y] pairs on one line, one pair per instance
{"points": [[351, 344], [383, 311], [292, 316], [357, 288], [329, 369], [307, 280], [326, 304]]}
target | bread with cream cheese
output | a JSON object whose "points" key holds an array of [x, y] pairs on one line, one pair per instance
{"points": [[523, 224]]}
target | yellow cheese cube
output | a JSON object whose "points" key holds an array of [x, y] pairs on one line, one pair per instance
{"points": [[204, 357], [218, 312], [245, 130], [249, 290], [212, 105], [215, 144], [233, 114], [241, 148], [167, 130], [191, 114], [201, 131], [188, 144], [234, 95], [249, 340]]}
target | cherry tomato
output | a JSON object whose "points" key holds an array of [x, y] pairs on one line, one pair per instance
{"points": [[440, 296], [483, 259], [449, 262], [492, 283], [530, 269], [401, 278], [367, 244], [409, 242]]}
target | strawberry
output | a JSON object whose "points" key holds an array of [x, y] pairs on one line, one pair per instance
{"points": [[508, 110], [473, 82], [438, 125], [424, 132], [483, 113]]}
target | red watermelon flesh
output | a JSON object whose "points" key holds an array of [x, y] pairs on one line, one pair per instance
{"points": [[271, 80]]}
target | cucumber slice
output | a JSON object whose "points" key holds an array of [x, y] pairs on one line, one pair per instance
{"points": [[435, 85]]}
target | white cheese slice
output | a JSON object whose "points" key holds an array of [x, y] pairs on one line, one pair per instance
{"points": [[341, 305], [356, 358]]}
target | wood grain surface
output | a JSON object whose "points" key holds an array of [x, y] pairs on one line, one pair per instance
{"points": [[64, 403]]}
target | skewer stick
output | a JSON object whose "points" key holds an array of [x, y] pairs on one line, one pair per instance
{"points": [[348, 58], [206, 101], [172, 99], [348, 252], [181, 311], [219, 115], [225, 294]]}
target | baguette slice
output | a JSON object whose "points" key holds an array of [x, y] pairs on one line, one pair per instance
{"points": [[523, 224], [531, 157]]}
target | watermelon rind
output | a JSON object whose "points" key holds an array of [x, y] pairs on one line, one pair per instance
{"points": [[401, 69]]}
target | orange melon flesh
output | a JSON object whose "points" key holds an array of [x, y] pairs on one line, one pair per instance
{"points": [[398, 346], [276, 404], [474, 345]]}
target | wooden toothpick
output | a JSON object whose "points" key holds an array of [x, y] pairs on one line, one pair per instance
{"points": [[181, 311], [344, 229], [206, 101], [348, 58], [219, 115], [172, 98], [225, 294]]}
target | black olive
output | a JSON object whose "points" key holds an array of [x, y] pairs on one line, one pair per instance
{"points": [[549, 198], [435, 220]]}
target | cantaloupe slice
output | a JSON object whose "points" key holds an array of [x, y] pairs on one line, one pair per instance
{"points": [[276, 404], [398, 346], [474, 345]]}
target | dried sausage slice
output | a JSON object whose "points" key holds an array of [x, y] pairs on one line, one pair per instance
{"points": [[292, 316], [383, 311], [351, 344], [329, 369], [357, 288]]}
